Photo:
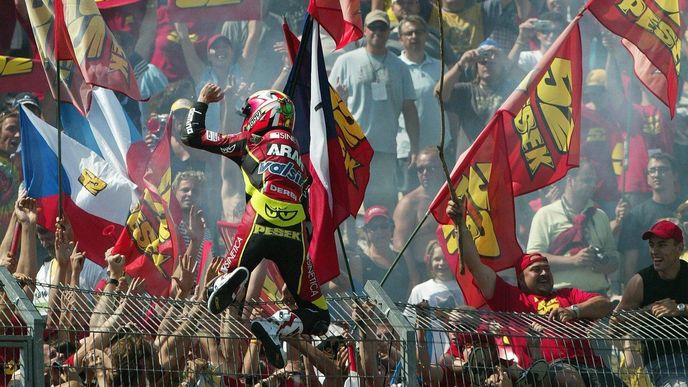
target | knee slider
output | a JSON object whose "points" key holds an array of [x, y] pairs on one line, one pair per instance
{"points": [[320, 327]]}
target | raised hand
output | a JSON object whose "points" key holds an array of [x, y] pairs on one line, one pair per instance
{"points": [[210, 93], [183, 275], [115, 264], [196, 225], [77, 261], [25, 210]]}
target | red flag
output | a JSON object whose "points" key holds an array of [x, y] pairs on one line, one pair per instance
{"points": [[98, 60], [482, 176], [333, 149], [653, 28], [543, 129], [213, 11], [21, 74], [340, 18], [149, 241]]}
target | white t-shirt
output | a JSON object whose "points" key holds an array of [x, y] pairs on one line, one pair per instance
{"points": [[88, 279], [443, 294]]}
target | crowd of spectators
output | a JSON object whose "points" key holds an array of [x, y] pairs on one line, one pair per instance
{"points": [[587, 229]]}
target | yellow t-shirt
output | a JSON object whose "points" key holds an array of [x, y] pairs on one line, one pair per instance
{"points": [[463, 31]]}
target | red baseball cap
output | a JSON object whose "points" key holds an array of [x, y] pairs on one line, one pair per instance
{"points": [[218, 37], [527, 260], [664, 229], [373, 212]]}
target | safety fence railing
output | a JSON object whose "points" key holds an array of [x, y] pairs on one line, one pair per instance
{"points": [[119, 339]]}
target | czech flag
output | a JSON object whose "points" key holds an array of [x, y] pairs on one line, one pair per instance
{"points": [[96, 197]]}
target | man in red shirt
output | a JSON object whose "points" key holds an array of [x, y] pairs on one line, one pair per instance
{"points": [[535, 294]]}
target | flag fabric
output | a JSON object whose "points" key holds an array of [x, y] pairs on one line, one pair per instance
{"points": [[109, 132], [213, 11], [76, 34], [340, 18], [109, 4], [543, 132], [333, 149], [96, 197], [651, 30], [21, 74], [149, 241], [482, 176], [531, 142]]}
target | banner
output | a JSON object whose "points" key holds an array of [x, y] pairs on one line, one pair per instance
{"points": [[95, 196], [340, 18], [149, 241], [95, 57], [482, 176], [333, 149], [210, 11], [543, 132], [21, 74], [651, 30], [531, 142]]}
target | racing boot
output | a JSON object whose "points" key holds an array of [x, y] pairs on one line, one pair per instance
{"points": [[226, 288], [270, 330]]}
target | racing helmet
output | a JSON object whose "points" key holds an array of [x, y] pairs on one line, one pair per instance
{"points": [[267, 109]]}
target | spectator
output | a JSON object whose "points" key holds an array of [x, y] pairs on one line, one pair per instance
{"points": [[425, 72], [469, 22], [471, 104], [222, 67], [546, 29], [188, 187], [410, 212], [663, 180], [378, 254], [575, 236], [441, 290], [402, 9], [10, 169], [377, 87], [662, 288], [535, 294], [89, 277]]}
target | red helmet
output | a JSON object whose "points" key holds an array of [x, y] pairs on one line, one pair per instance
{"points": [[268, 109]]}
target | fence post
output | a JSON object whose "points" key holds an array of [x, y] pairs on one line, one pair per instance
{"points": [[402, 327], [33, 356]]}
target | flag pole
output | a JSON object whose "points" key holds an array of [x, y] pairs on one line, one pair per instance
{"points": [[401, 252], [440, 147], [346, 259], [59, 119]]}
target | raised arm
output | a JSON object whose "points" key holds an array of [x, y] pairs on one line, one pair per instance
{"points": [[483, 275], [26, 213], [191, 58]]}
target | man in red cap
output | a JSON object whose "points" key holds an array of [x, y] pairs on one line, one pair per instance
{"points": [[662, 289], [535, 294]]}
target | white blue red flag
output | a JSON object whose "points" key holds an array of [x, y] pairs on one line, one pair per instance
{"points": [[109, 132], [96, 197], [325, 137]]}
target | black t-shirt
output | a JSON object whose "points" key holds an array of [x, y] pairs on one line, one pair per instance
{"points": [[665, 333], [641, 218], [396, 285]]}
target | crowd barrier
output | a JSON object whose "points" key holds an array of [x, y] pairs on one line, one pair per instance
{"points": [[138, 340]]}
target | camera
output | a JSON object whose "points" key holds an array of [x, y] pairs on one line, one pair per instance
{"points": [[543, 25], [599, 255], [156, 122]]}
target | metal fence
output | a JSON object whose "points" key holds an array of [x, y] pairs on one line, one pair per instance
{"points": [[114, 339]]}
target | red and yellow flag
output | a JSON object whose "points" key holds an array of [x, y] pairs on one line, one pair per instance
{"points": [[543, 132], [77, 32], [21, 74], [213, 10], [340, 18], [530, 143], [651, 32], [482, 176], [149, 241]]}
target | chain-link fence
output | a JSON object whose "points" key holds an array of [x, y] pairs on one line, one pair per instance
{"points": [[115, 339]]}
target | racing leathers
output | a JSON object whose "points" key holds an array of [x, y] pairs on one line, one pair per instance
{"points": [[273, 224]]}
